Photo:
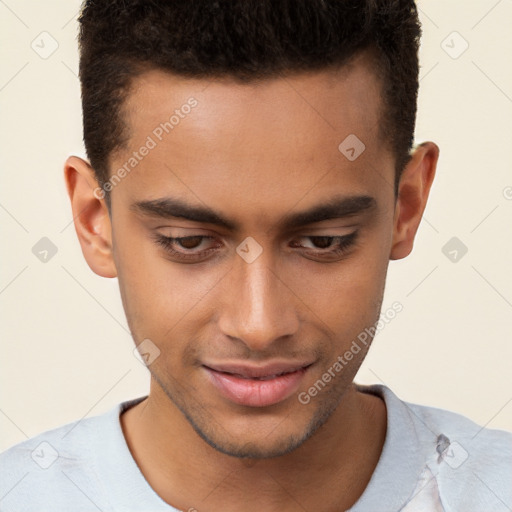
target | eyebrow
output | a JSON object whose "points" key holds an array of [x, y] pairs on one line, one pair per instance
{"points": [[335, 208]]}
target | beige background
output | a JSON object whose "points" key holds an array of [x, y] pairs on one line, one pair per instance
{"points": [[66, 352]]}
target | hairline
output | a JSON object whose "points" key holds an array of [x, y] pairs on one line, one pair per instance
{"points": [[368, 55]]}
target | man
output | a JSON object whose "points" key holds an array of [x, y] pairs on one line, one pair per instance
{"points": [[250, 176]]}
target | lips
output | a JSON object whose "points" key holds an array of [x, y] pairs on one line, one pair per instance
{"points": [[257, 386]]}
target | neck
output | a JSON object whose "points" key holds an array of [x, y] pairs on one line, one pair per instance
{"points": [[327, 472]]}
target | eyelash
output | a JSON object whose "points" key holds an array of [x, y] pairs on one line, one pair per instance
{"points": [[345, 242]]}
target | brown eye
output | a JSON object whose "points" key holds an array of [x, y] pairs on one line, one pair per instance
{"points": [[328, 248], [322, 242], [187, 249], [190, 242]]}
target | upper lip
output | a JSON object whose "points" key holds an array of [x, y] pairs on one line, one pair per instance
{"points": [[251, 371]]}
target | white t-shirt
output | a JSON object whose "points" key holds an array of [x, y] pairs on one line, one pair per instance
{"points": [[432, 460]]}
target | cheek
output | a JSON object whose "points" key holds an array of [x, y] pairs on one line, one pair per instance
{"points": [[158, 295], [345, 295], [148, 286]]}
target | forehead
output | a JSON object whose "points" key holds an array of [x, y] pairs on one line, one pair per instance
{"points": [[346, 97], [273, 140]]}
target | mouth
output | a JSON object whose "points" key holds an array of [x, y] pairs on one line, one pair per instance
{"points": [[257, 386]]}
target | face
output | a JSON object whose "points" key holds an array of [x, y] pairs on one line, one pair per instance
{"points": [[251, 248]]}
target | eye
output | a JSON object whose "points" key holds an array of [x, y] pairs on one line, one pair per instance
{"points": [[186, 247], [196, 248], [328, 247]]}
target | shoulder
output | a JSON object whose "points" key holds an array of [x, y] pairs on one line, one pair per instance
{"points": [[56, 468], [429, 423], [481, 444], [471, 464]]}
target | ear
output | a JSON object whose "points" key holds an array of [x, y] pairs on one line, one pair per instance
{"points": [[90, 216], [413, 190]]}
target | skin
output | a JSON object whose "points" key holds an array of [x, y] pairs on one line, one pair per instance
{"points": [[254, 153]]}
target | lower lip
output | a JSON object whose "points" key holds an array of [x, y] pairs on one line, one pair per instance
{"points": [[253, 392]]}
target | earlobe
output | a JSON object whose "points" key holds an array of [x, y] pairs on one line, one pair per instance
{"points": [[90, 216], [413, 191]]}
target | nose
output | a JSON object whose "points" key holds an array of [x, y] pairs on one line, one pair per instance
{"points": [[258, 306]]}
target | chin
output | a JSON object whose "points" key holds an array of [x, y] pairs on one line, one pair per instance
{"points": [[254, 449], [255, 434], [281, 438]]}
